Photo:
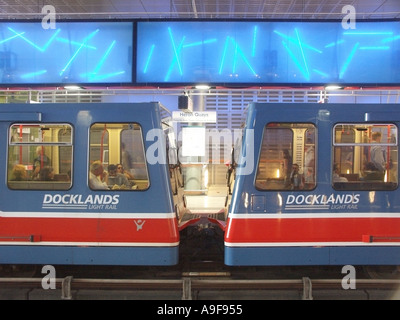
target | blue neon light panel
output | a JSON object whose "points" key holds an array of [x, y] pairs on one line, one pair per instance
{"points": [[237, 52], [74, 52]]}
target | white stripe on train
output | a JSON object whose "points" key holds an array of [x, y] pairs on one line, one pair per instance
{"points": [[276, 215], [88, 215]]}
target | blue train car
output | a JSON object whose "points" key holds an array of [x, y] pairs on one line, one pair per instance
{"points": [[316, 184], [86, 184]]}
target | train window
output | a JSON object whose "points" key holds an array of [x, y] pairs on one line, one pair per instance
{"points": [[287, 158], [117, 157], [39, 156], [365, 157]]}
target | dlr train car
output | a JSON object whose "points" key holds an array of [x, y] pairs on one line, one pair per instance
{"points": [[316, 184], [86, 184]]}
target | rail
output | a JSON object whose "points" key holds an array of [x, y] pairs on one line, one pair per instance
{"points": [[187, 285]]}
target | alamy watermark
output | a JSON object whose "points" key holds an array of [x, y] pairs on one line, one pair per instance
{"points": [[49, 280], [49, 20], [349, 280], [349, 20], [220, 142]]}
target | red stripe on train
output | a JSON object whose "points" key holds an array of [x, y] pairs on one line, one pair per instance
{"points": [[89, 230], [313, 230]]}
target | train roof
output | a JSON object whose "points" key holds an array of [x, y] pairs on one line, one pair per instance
{"points": [[313, 112], [84, 113]]}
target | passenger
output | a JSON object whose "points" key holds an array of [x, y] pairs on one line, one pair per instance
{"points": [[309, 164], [115, 178], [309, 156], [296, 178], [120, 169], [378, 156], [19, 173], [287, 166], [46, 174], [371, 173], [309, 181], [39, 162], [126, 158], [336, 177], [97, 176]]}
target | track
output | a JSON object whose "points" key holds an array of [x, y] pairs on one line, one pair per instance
{"points": [[200, 275], [208, 281], [197, 287]]}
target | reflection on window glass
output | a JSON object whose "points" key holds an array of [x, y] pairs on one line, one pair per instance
{"points": [[117, 157], [365, 157], [40, 156], [287, 160]]}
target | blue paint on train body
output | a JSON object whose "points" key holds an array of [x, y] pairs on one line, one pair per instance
{"points": [[154, 202], [252, 202]]}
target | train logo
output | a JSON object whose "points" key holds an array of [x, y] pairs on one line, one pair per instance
{"points": [[79, 202], [313, 201], [139, 224]]}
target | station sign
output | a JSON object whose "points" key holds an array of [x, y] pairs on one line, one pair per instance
{"points": [[196, 116]]}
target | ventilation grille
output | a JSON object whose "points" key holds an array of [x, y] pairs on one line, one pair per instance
{"points": [[231, 106], [63, 96]]}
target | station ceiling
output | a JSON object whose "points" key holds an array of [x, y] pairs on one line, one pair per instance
{"points": [[217, 9]]}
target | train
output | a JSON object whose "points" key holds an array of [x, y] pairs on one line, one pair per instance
{"points": [[102, 184], [315, 186], [75, 213]]}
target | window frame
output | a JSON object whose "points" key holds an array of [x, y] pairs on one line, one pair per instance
{"points": [[29, 184], [362, 183], [109, 127], [306, 126]]}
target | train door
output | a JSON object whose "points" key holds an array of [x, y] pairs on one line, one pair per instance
{"points": [[205, 156], [175, 168]]}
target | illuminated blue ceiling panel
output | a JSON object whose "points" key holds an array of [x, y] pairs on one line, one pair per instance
{"points": [[74, 52], [188, 52], [274, 52]]}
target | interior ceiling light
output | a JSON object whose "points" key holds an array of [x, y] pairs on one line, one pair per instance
{"points": [[202, 87], [72, 87], [333, 87]]}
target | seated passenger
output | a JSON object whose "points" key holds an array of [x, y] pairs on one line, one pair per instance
{"points": [[336, 177], [115, 178], [371, 172], [40, 161], [46, 174], [19, 173], [97, 176], [121, 169]]}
